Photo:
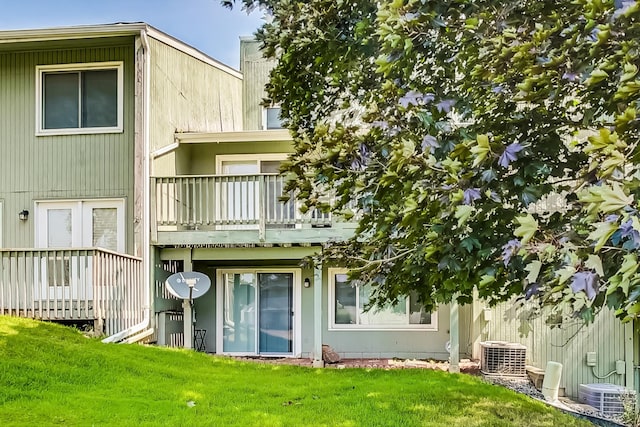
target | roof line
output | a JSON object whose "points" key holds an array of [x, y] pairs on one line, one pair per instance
{"points": [[234, 136], [110, 30]]}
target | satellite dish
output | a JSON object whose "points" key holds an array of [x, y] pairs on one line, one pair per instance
{"points": [[188, 285]]}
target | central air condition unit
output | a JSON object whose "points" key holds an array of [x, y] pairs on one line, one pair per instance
{"points": [[503, 358], [606, 398]]}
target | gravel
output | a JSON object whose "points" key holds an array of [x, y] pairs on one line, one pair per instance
{"points": [[525, 386]]}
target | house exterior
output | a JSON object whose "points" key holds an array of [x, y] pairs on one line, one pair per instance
{"points": [[220, 215], [81, 109], [128, 156]]}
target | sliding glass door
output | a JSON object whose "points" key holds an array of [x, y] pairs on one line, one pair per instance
{"points": [[257, 312]]}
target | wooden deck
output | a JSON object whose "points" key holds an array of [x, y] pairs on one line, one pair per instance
{"points": [[87, 284], [226, 207]]}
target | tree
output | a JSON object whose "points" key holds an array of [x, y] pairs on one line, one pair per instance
{"points": [[445, 127]]}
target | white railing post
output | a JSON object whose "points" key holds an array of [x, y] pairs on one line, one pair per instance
{"points": [[262, 208]]}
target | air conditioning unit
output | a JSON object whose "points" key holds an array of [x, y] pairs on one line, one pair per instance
{"points": [[606, 398], [503, 358]]}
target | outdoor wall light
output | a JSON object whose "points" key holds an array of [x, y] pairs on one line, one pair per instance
{"points": [[23, 215], [307, 283]]}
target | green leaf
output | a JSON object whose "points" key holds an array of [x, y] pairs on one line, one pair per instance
{"points": [[565, 274], [534, 270], [486, 280], [614, 198], [463, 212], [481, 149], [528, 227], [470, 243], [630, 71], [596, 77], [595, 263], [602, 233]]}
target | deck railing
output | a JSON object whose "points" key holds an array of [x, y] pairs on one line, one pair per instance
{"points": [[226, 202], [72, 284]]}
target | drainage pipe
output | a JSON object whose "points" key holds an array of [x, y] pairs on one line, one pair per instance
{"points": [[135, 332]]}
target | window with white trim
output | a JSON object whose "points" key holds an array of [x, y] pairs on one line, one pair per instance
{"points": [[79, 98], [347, 308]]}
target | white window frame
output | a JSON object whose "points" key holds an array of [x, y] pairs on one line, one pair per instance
{"points": [[333, 326], [297, 310], [1, 222], [44, 69], [264, 117], [221, 158], [81, 210]]}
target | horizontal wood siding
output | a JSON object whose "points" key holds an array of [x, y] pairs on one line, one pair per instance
{"points": [[188, 95], [566, 344], [58, 167], [256, 74]]}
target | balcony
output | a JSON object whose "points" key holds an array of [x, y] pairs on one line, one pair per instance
{"points": [[235, 209], [72, 285]]}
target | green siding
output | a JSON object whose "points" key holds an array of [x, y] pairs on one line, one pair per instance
{"points": [[200, 159], [188, 95], [351, 344], [566, 344], [256, 74], [59, 167]]}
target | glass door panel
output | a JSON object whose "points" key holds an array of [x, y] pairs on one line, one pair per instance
{"points": [[58, 228], [256, 312], [239, 194], [276, 315], [239, 313]]}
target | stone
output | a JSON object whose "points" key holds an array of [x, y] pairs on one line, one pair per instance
{"points": [[329, 355]]}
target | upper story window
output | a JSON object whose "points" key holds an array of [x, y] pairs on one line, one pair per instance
{"points": [[79, 98], [272, 118], [347, 309]]}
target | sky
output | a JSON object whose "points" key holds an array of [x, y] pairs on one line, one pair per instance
{"points": [[203, 24]]}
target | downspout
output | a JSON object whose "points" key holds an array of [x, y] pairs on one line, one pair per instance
{"points": [[144, 328]]}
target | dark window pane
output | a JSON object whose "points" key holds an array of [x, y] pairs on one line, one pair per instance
{"points": [[100, 98], [345, 309], [273, 118], [417, 313], [60, 99]]}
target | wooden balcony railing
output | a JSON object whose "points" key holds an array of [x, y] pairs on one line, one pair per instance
{"points": [[72, 284], [225, 202]]}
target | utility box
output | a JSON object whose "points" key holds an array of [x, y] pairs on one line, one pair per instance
{"points": [[607, 398], [503, 358]]}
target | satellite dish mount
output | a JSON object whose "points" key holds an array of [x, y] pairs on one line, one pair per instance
{"points": [[187, 286]]}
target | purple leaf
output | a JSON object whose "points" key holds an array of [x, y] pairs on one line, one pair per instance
{"points": [[627, 231], [415, 98], [470, 195], [445, 105], [510, 154], [510, 249], [587, 282], [612, 218], [429, 142], [571, 76]]}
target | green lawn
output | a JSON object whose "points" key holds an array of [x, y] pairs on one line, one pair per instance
{"points": [[51, 375]]}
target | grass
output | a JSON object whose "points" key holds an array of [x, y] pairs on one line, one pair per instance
{"points": [[52, 375]]}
